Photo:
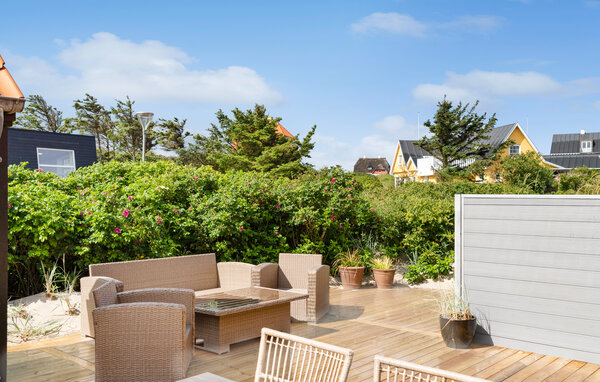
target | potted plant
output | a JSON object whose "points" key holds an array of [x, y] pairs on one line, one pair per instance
{"points": [[383, 271], [351, 268], [457, 324]]}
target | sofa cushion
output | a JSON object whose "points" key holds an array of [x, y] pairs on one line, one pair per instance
{"points": [[195, 272]]}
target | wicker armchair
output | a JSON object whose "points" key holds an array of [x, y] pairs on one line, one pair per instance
{"points": [[302, 273], [143, 335], [283, 357], [395, 370]]}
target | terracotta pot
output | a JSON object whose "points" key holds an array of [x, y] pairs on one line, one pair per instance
{"points": [[458, 334], [384, 278], [351, 277]]}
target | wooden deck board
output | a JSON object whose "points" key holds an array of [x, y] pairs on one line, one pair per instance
{"points": [[399, 323]]}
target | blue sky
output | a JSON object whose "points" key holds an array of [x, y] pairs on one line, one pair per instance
{"points": [[361, 71]]}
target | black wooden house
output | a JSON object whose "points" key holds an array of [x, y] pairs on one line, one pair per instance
{"points": [[54, 152]]}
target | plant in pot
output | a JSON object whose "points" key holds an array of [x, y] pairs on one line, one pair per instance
{"points": [[383, 271], [457, 324], [351, 268]]}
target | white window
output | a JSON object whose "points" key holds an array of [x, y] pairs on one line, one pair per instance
{"points": [[61, 162], [586, 146], [514, 150]]}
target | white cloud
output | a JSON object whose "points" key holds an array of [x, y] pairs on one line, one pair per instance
{"points": [[485, 85], [381, 141], [403, 24], [390, 22], [107, 66]]}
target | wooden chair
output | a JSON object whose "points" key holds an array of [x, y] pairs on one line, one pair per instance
{"points": [[283, 357], [395, 370]]}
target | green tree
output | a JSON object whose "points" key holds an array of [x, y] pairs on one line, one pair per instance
{"points": [[527, 171], [129, 130], [172, 134], [250, 142], [458, 138], [39, 115], [93, 118]]}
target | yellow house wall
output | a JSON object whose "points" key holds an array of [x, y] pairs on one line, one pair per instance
{"points": [[518, 138]]}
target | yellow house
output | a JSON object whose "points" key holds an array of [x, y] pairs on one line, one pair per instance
{"points": [[413, 164]]}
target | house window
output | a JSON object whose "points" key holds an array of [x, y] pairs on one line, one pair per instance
{"points": [[586, 146], [514, 150], [60, 162], [498, 178]]}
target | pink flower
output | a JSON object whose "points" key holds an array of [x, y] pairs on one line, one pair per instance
{"points": [[89, 213], [353, 201], [159, 220], [264, 191], [117, 230], [377, 219], [348, 196], [130, 197], [348, 189], [80, 212], [352, 182], [332, 218], [333, 180], [78, 188], [340, 226], [325, 190], [139, 240], [241, 228], [175, 210], [9, 206], [372, 209], [125, 213], [40, 170], [276, 232], [190, 208], [260, 202], [83, 224], [196, 177], [278, 206]]}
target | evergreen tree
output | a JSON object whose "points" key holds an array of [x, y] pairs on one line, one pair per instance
{"points": [[93, 118], [172, 134], [250, 142], [38, 115], [458, 138], [129, 130]]}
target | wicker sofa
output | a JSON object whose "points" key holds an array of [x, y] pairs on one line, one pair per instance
{"points": [[200, 273]]}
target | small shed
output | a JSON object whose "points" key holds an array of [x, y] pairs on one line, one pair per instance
{"points": [[58, 153], [373, 166]]}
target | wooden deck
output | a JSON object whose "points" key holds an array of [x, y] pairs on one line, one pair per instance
{"points": [[400, 323]]}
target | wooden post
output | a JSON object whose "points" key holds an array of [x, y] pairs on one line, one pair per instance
{"points": [[6, 120]]}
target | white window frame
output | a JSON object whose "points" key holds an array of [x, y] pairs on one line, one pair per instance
{"points": [[588, 148], [510, 149], [74, 167]]}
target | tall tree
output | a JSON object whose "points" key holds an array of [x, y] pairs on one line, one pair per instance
{"points": [[129, 130], [250, 141], [459, 137], [39, 115], [172, 134], [93, 118]]}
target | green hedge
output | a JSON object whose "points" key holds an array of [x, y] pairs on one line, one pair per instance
{"points": [[125, 211]]}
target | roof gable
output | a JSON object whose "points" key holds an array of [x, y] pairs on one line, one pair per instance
{"points": [[8, 86], [375, 164]]}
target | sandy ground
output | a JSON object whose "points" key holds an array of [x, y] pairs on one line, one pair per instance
{"points": [[33, 315], [38, 313]]}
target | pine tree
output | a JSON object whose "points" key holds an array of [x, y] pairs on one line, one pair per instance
{"points": [[172, 134], [129, 130], [39, 115], [93, 118], [458, 138]]}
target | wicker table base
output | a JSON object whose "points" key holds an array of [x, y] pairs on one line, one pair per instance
{"points": [[218, 329]]}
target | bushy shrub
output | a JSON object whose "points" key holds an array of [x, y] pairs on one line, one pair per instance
{"points": [[580, 180]]}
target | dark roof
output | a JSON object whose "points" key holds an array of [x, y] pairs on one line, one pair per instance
{"points": [[376, 164], [569, 161], [497, 136], [409, 149], [571, 143]]}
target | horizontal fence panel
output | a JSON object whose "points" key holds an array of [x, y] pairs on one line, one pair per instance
{"points": [[533, 200], [551, 337], [564, 324], [547, 306], [543, 275], [532, 289], [527, 243], [534, 258], [583, 230], [538, 213], [531, 268]]}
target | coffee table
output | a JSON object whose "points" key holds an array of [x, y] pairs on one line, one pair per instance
{"points": [[238, 315]]}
